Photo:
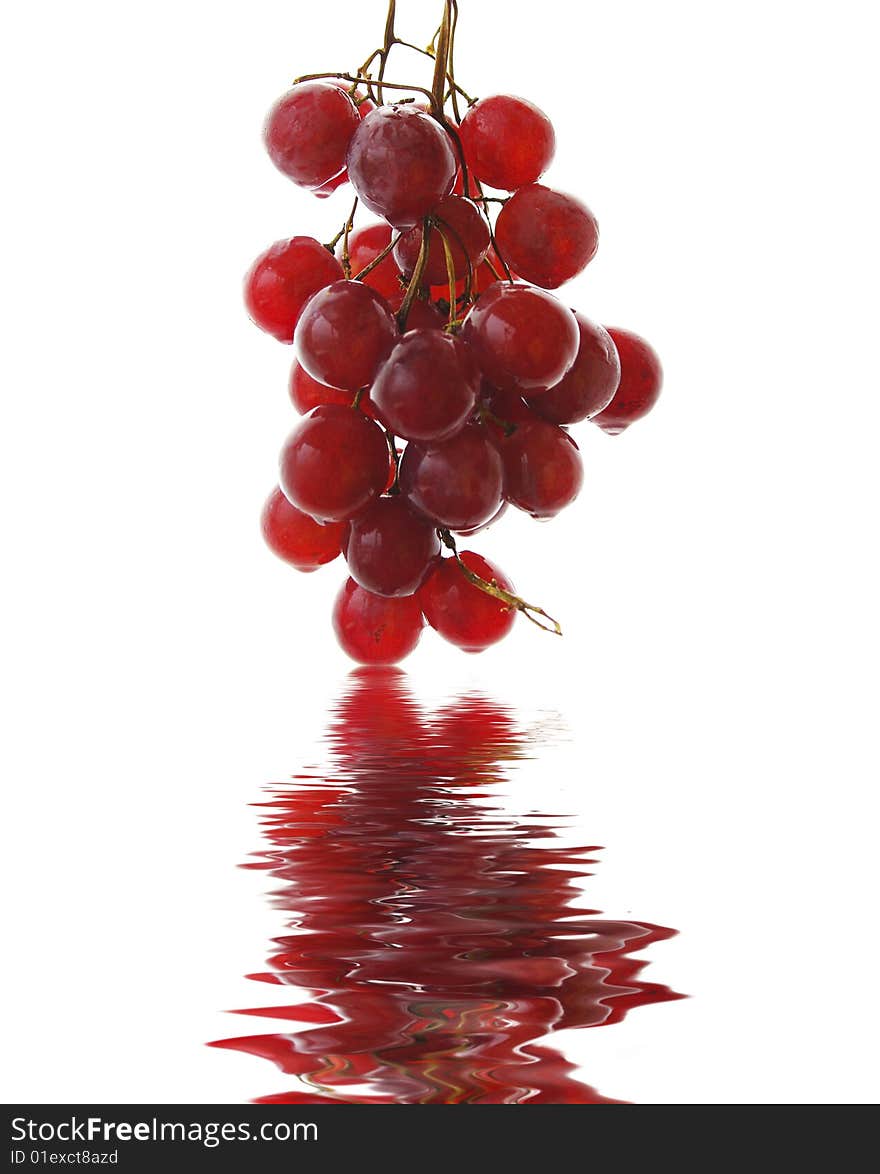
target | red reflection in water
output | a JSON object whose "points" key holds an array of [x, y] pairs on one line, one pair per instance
{"points": [[434, 938]]}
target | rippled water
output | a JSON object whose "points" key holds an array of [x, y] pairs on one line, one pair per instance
{"points": [[438, 938]]}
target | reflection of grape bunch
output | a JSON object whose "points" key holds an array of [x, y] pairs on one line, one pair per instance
{"points": [[438, 939], [435, 373]]}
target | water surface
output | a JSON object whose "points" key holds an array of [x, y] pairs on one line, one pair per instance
{"points": [[436, 940]]}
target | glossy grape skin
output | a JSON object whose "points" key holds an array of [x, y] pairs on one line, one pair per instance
{"points": [[334, 463], [543, 470], [401, 163], [281, 281], [458, 483], [461, 612], [427, 388], [308, 130], [466, 232], [375, 629], [296, 537], [344, 334], [589, 385], [508, 142], [548, 237], [641, 378], [390, 548], [523, 337], [364, 246]]}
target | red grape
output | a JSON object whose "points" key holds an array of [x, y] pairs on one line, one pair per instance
{"points": [[306, 393], [641, 378], [282, 280], [374, 629], [523, 337], [344, 333], [543, 471], [308, 131], [364, 106], [505, 411], [401, 163], [590, 383], [334, 463], [458, 186], [362, 102], [502, 510], [390, 547], [298, 538], [466, 233], [508, 406], [422, 315], [486, 274], [547, 236], [458, 482], [460, 611], [427, 388], [364, 246], [507, 141]]}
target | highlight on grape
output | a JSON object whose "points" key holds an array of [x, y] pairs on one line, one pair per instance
{"points": [[436, 374]]}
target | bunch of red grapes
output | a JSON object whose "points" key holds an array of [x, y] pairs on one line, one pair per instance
{"points": [[435, 374]]}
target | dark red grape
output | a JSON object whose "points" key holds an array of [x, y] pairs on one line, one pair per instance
{"points": [[427, 388], [523, 337], [298, 538], [458, 482], [543, 471], [282, 280], [308, 131], [401, 163], [334, 463], [466, 233], [460, 611], [588, 386], [364, 246], [374, 629], [641, 378], [548, 237], [390, 548], [344, 333], [507, 141]]}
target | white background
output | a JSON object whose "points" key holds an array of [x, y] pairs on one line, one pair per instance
{"points": [[717, 580]]}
